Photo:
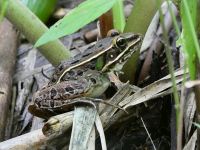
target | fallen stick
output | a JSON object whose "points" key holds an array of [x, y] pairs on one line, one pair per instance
{"points": [[31, 140], [8, 46]]}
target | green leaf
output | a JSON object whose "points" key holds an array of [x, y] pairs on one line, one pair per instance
{"points": [[189, 38], [77, 18], [41, 8], [196, 124], [118, 16]]}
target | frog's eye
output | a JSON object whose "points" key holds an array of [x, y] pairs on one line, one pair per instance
{"points": [[121, 43]]}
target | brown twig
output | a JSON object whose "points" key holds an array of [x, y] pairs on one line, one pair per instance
{"points": [[106, 23]]}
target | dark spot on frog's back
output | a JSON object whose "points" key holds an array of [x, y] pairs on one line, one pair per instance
{"points": [[79, 72], [53, 80], [74, 61], [71, 73], [60, 68], [53, 93], [52, 104], [100, 45], [37, 100], [69, 90]]}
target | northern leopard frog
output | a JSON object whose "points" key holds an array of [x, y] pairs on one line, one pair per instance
{"points": [[75, 80]]}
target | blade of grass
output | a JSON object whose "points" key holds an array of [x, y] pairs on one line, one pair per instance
{"points": [[196, 124], [189, 38], [77, 18], [170, 64], [3, 7], [118, 15], [190, 19], [182, 101]]}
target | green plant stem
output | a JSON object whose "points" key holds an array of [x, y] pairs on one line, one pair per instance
{"points": [[3, 7], [33, 28], [198, 20], [192, 29], [171, 68], [181, 112], [118, 16]]}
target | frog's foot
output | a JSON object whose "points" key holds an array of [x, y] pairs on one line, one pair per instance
{"points": [[90, 101], [94, 100]]}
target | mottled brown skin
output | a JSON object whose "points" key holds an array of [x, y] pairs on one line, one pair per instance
{"points": [[61, 97]]}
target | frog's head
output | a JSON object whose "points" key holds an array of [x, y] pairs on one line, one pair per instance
{"points": [[123, 46]]}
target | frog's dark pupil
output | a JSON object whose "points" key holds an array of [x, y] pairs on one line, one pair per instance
{"points": [[121, 42]]}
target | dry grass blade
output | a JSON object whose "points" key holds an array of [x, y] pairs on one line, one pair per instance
{"points": [[189, 113], [101, 132], [151, 90], [83, 122], [192, 142], [148, 133]]}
